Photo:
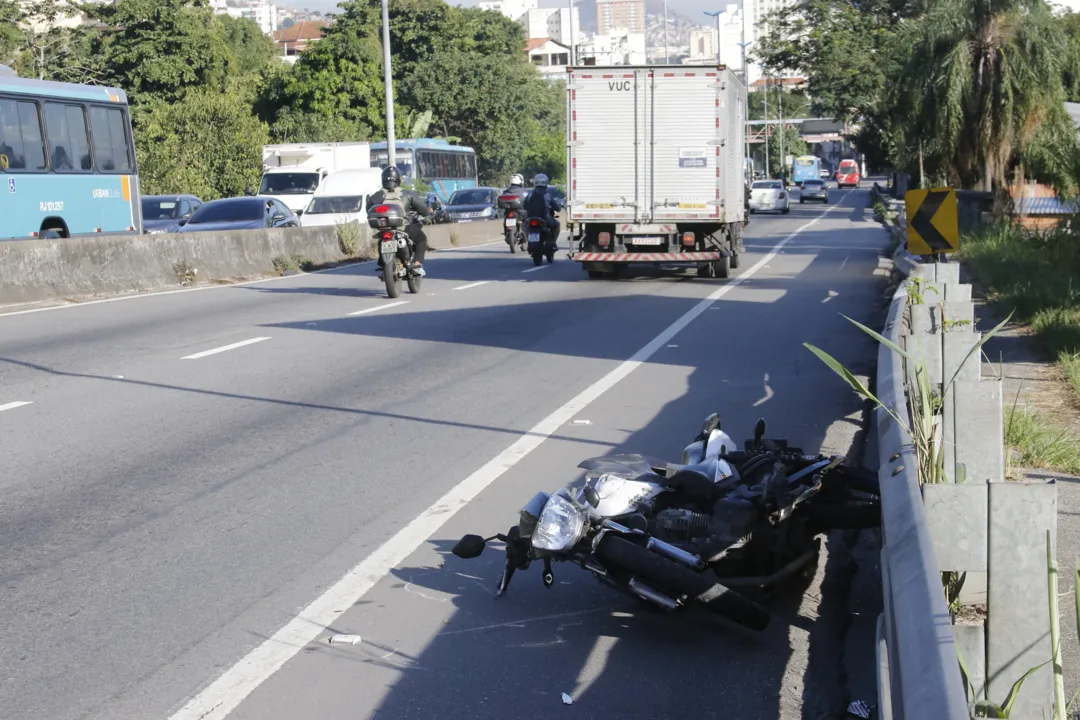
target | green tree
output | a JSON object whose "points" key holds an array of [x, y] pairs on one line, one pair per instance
{"points": [[11, 34], [795, 104], [209, 145], [158, 50], [250, 51], [980, 80]]}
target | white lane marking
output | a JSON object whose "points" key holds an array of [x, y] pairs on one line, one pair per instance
{"points": [[224, 348], [472, 285], [534, 269], [13, 405], [223, 695], [378, 308], [139, 296]]}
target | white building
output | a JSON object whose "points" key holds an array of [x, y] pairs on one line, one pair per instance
{"points": [[704, 40], [551, 23], [68, 16], [512, 9], [549, 57], [755, 26], [618, 47], [263, 12]]}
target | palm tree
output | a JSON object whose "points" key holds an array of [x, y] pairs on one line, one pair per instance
{"points": [[981, 79]]}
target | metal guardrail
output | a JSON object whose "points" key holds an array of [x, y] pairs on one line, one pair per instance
{"points": [[918, 670]]}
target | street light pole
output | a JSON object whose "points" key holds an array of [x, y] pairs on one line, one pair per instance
{"points": [[780, 110], [667, 51], [765, 96], [388, 81]]}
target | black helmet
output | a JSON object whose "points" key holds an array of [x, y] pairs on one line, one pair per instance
{"points": [[391, 178]]}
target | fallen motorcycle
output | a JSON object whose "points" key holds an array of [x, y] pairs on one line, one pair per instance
{"points": [[723, 529]]}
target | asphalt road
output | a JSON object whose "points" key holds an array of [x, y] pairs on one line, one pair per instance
{"points": [[171, 516]]}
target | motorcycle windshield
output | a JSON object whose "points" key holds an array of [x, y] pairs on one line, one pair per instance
{"points": [[631, 466]]}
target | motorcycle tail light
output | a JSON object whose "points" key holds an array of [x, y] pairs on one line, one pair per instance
{"points": [[688, 238], [509, 213], [380, 209], [534, 223], [387, 235], [508, 198], [604, 239]]}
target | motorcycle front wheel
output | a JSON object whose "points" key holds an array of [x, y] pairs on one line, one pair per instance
{"points": [[674, 577]]}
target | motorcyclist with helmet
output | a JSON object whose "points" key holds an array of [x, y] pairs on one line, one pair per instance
{"points": [[412, 205], [542, 204], [517, 186]]}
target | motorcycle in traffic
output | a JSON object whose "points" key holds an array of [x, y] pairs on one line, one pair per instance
{"points": [[723, 529], [540, 242], [395, 247], [512, 207]]}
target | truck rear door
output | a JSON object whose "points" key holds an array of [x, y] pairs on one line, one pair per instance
{"points": [[607, 130], [688, 161]]}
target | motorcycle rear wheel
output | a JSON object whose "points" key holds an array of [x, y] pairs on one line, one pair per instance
{"points": [[511, 241], [538, 258], [670, 575], [414, 283]]}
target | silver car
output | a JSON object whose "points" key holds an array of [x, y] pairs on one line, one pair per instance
{"points": [[814, 190]]}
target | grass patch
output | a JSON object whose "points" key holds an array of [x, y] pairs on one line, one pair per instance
{"points": [[284, 264], [353, 239], [1038, 444], [1037, 274], [1070, 365]]}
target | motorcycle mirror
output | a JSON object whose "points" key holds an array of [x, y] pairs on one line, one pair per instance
{"points": [[759, 430], [469, 547], [711, 423], [591, 496]]}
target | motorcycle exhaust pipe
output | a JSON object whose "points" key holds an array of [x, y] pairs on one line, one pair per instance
{"points": [[645, 592], [662, 548], [674, 553]]}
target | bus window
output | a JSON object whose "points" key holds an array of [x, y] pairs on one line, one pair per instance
{"points": [[110, 140], [21, 144], [68, 143]]}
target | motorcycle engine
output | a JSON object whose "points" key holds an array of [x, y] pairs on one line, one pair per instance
{"points": [[731, 520]]}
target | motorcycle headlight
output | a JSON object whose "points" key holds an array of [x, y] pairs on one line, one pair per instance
{"points": [[560, 525]]}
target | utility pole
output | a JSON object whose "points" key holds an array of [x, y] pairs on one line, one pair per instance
{"points": [[780, 106], [388, 81], [765, 96], [573, 46]]}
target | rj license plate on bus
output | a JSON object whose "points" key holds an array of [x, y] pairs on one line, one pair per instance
{"points": [[511, 223], [388, 247], [647, 241], [534, 237]]}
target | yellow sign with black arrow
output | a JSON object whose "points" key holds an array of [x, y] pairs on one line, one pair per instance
{"points": [[932, 225]]}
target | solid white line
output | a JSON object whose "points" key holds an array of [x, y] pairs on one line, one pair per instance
{"points": [[472, 285], [224, 348], [534, 269], [13, 405], [227, 692], [377, 308]]}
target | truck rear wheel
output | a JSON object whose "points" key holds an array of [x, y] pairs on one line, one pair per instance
{"points": [[722, 267]]}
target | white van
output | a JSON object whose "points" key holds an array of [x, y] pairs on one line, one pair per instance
{"points": [[342, 197]]}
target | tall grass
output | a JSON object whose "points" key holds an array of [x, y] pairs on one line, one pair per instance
{"points": [[1036, 274], [1039, 444]]}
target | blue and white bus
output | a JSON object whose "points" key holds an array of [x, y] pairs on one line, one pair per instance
{"points": [[444, 166], [807, 167], [67, 160]]}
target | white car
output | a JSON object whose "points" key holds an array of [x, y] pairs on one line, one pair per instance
{"points": [[769, 196]]}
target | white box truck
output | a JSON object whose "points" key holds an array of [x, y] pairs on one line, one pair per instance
{"points": [[655, 167], [293, 172]]}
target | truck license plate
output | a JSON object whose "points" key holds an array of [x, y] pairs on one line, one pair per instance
{"points": [[511, 223], [647, 241], [534, 237], [388, 247]]}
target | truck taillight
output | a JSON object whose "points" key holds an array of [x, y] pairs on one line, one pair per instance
{"points": [[604, 239], [688, 238]]}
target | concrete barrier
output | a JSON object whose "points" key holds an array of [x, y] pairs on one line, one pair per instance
{"points": [[41, 270], [37, 270]]}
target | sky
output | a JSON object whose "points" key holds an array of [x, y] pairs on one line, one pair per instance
{"points": [[692, 9]]}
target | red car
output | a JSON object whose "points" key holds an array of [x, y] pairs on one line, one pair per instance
{"points": [[847, 175]]}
